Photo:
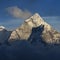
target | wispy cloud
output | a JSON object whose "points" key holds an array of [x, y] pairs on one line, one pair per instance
{"points": [[18, 13]]}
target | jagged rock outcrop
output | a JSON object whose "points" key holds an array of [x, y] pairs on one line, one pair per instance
{"points": [[49, 34]]}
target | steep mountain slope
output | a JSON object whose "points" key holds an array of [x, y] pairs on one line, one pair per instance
{"points": [[49, 34], [4, 34]]}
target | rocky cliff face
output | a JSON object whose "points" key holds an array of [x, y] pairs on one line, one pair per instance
{"points": [[49, 35]]}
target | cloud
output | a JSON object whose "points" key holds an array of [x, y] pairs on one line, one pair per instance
{"points": [[18, 13]]}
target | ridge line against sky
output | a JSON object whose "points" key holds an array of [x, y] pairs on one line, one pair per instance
{"points": [[14, 23], [14, 12]]}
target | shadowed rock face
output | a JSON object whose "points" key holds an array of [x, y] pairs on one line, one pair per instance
{"points": [[4, 35], [36, 35], [49, 35]]}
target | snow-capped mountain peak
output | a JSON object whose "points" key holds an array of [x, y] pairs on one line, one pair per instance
{"points": [[2, 28], [49, 34]]}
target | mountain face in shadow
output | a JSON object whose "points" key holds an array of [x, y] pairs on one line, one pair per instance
{"points": [[36, 34], [4, 35]]}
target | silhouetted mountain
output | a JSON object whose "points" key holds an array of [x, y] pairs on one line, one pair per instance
{"points": [[4, 34]]}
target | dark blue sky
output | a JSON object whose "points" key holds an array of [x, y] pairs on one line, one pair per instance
{"points": [[46, 8], [43, 7]]}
